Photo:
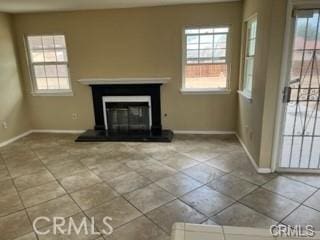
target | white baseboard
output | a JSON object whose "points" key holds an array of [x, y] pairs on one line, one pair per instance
{"points": [[57, 131], [203, 132], [11, 140], [259, 170]]}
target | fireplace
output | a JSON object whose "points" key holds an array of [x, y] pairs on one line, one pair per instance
{"points": [[126, 110], [127, 113]]}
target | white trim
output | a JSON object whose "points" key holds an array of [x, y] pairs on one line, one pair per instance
{"points": [[30, 64], [245, 96], [204, 132], [134, 80], [57, 131], [248, 92], [228, 59], [106, 99], [11, 140], [277, 142], [253, 162], [297, 170], [205, 91], [52, 94]]}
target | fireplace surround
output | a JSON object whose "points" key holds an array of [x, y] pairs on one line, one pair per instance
{"points": [[126, 110], [127, 113]]}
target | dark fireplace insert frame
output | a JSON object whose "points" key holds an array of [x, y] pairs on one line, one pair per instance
{"points": [[152, 90]]}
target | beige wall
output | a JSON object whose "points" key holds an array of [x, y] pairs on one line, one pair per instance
{"points": [[12, 103], [256, 118], [139, 42], [275, 51]]}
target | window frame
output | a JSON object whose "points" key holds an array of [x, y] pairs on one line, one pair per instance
{"points": [[46, 92], [226, 90], [245, 91]]}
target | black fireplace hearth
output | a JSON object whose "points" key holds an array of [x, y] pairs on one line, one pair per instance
{"points": [[127, 112]]}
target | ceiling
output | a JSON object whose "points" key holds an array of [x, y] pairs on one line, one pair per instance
{"points": [[22, 6]]}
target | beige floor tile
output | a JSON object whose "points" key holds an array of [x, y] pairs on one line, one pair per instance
{"points": [[10, 203], [9, 198], [203, 173], [32, 180], [230, 161], [60, 157], [4, 174], [92, 160], [149, 198], [291, 189], [242, 216], [140, 229], [108, 171], [202, 154], [232, 186], [304, 216], [118, 209], [93, 196], [59, 207], [7, 187], [249, 174], [156, 171], [19, 158], [26, 168], [128, 182], [269, 204], [162, 154], [179, 161], [14, 225], [140, 164], [178, 184], [29, 236], [79, 180], [314, 201], [176, 211], [130, 168], [68, 168], [207, 201], [310, 179], [35, 195]]}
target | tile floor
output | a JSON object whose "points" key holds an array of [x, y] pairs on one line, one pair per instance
{"points": [[145, 187]]}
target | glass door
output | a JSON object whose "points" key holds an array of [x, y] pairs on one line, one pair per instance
{"points": [[300, 145]]}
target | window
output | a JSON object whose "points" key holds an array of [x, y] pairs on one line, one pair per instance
{"points": [[48, 62], [206, 59], [251, 34]]}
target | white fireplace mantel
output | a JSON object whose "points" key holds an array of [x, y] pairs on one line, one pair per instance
{"points": [[113, 81]]}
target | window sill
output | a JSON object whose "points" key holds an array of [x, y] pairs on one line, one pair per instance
{"points": [[245, 96], [204, 91], [52, 94]]}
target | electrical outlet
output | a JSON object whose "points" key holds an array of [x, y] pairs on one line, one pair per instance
{"points": [[4, 125], [74, 116]]}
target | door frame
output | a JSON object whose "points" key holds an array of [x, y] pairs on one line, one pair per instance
{"points": [[285, 68]]}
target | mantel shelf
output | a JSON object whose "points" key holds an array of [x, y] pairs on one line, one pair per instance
{"points": [[114, 81]]}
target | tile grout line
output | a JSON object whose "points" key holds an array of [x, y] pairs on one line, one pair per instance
{"points": [[178, 171], [23, 205], [64, 194]]}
